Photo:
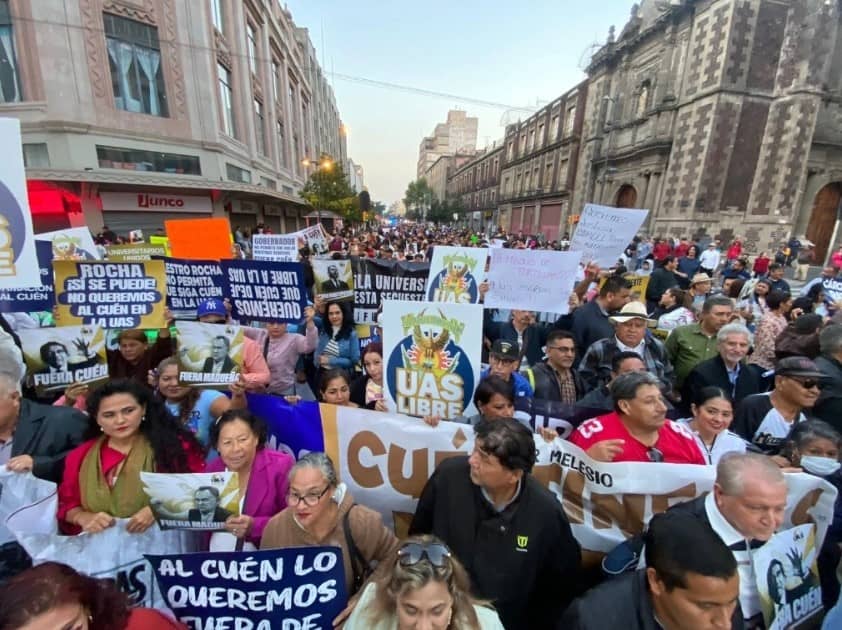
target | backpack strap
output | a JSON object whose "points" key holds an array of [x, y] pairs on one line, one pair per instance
{"points": [[358, 564]]}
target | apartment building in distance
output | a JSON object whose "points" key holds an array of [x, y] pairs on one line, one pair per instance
{"points": [[206, 107], [457, 135], [476, 184], [442, 170]]}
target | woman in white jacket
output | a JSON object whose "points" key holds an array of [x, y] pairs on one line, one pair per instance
{"points": [[674, 310]]}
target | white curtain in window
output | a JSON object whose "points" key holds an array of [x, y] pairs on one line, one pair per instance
{"points": [[149, 61], [9, 88], [121, 55]]}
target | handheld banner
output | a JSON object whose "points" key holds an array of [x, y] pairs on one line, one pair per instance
{"points": [[603, 233], [35, 298], [209, 355], [313, 237], [285, 589], [277, 247], [639, 284], [293, 429], [455, 274], [58, 357], [432, 357], [112, 295], [18, 260], [334, 280], [190, 282], [201, 501], [27, 504], [788, 579], [71, 244], [533, 280], [199, 239], [163, 241], [265, 291], [376, 280], [134, 252]]}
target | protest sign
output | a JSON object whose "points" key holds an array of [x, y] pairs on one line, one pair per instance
{"points": [[134, 252], [313, 237], [199, 239], [265, 291], [30, 502], [163, 241], [532, 280], [41, 297], [603, 233], [112, 295], [112, 553], [432, 357], [376, 280], [334, 280], [295, 429], [190, 282], [279, 247], [787, 577], [209, 355], [71, 244], [298, 588], [455, 274], [58, 357], [201, 501], [18, 260]]}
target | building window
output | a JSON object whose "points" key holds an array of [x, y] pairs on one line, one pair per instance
{"points": [[282, 144], [134, 56], [548, 177], [237, 174], [226, 99], [540, 136], [35, 155], [218, 15], [643, 100], [571, 120], [259, 127], [9, 77], [276, 80], [251, 36], [140, 160], [554, 128], [523, 144], [271, 184], [296, 156]]}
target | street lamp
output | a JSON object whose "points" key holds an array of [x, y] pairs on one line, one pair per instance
{"points": [[325, 164]]}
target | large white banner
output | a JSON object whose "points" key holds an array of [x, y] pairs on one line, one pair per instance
{"points": [[279, 247], [533, 280], [18, 262], [432, 354], [32, 501], [603, 233], [455, 274]]}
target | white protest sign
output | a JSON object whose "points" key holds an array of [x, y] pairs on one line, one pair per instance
{"points": [[31, 500], [71, 244], [534, 280], [279, 247], [603, 233], [18, 261], [455, 274]]}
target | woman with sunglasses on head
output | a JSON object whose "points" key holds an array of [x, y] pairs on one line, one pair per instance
{"points": [[425, 587], [321, 511]]}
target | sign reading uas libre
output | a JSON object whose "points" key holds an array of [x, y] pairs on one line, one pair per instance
{"points": [[432, 357], [455, 274]]}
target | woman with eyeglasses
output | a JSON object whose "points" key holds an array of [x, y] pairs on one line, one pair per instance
{"points": [[425, 587], [240, 438], [321, 511]]}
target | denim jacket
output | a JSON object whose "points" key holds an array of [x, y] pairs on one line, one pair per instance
{"points": [[349, 351]]}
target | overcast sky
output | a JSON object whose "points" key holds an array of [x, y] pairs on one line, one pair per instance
{"points": [[516, 54]]}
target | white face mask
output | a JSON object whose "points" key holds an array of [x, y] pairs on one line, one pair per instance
{"points": [[819, 466]]}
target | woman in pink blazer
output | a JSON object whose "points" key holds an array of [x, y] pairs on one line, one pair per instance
{"points": [[240, 439]]}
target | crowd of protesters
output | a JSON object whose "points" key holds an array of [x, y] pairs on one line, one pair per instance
{"points": [[717, 364]]}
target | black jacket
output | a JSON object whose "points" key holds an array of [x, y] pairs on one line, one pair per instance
{"points": [[589, 325], [525, 559], [660, 280], [534, 337], [829, 405], [713, 372], [547, 387], [47, 434]]}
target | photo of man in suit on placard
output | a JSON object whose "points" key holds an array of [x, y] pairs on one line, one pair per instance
{"points": [[333, 282], [56, 357], [219, 362], [207, 510]]}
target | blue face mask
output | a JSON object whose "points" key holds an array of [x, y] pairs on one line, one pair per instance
{"points": [[819, 466]]}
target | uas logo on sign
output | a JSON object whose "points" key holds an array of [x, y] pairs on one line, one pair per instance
{"points": [[12, 229], [455, 282]]}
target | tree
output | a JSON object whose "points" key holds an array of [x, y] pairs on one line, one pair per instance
{"points": [[443, 211], [328, 189], [418, 195]]}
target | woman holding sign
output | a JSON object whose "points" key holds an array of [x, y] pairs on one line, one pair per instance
{"points": [[129, 432], [338, 345]]}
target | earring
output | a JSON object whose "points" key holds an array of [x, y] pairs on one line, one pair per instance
{"points": [[143, 418], [101, 429]]}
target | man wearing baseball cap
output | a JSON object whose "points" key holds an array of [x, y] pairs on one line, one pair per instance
{"points": [[503, 361], [255, 370], [766, 419]]}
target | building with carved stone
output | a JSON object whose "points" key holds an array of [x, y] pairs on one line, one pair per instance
{"points": [[134, 111], [722, 117]]}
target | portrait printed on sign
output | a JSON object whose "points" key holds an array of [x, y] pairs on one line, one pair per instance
{"points": [[788, 579], [209, 355], [455, 274], [71, 244], [334, 279], [432, 357], [192, 501], [58, 357], [315, 238]]}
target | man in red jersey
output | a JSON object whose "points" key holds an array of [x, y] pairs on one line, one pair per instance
{"points": [[637, 430]]}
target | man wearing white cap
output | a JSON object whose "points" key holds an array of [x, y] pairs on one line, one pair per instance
{"points": [[629, 335]]}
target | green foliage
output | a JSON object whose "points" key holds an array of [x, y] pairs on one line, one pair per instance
{"points": [[328, 189], [417, 194]]}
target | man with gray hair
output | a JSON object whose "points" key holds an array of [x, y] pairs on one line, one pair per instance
{"points": [[829, 405], [34, 437], [727, 370], [638, 429]]}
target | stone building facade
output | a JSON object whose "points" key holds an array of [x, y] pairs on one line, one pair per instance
{"points": [[457, 135], [722, 117], [442, 170], [476, 184], [212, 104]]}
